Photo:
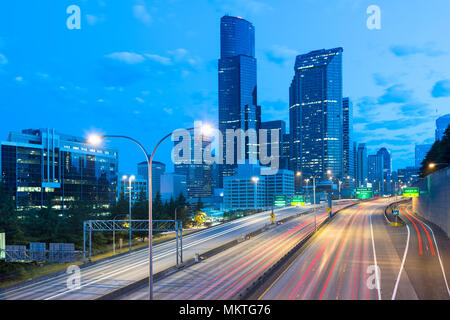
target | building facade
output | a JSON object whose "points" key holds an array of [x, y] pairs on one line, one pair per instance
{"points": [[315, 115], [158, 169], [273, 142], [238, 107], [386, 183], [420, 153], [361, 165], [43, 167], [348, 183], [139, 188], [442, 124], [172, 185]]}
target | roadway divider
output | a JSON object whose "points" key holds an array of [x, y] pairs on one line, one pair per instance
{"points": [[388, 215], [113, 295], [248, 292]]}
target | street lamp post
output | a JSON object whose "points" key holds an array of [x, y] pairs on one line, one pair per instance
{"points": [[96, 140], [130, 179], [114, 233]]}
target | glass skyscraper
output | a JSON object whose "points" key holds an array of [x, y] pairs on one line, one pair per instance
{"points": [[40, 167], [315, 114], [347, 141], [238, 107]]}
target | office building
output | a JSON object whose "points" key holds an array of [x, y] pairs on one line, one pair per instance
{"points": [[238, 107], [421, 151], [172, 185], [139, 188], [273, 142], [199, 181], [361, 166], [315, 115], [158, 168], [40, 167], [386, 170], [442, 124], [348, 183], [280, 183], [375, 165]]}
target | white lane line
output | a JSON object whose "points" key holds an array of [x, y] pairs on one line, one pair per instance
{"points": [[402, 265], [439, 256], [375, 259]]}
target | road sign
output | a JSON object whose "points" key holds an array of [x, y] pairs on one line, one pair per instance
{"points": [[279, 200], [2, 246], [329, 209], [298, 200], [364, 193], [395, 213], [411, 192], [272, 217]]}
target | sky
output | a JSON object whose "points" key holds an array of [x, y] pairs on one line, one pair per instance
{"points": [[144, 68]]}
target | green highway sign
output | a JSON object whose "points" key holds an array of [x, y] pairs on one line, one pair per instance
{"points": [[298, 200], [364, 193], [395, 212], [2, 246], [279, 200], [410, 192]]}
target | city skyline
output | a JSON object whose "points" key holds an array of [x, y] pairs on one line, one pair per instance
{"points": [[122, 91]]}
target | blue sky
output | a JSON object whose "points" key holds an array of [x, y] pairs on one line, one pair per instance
{"points": [[143, 68]]}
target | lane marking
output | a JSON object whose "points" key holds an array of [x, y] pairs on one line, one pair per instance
{"points": [[375, 259], [401, 266]]}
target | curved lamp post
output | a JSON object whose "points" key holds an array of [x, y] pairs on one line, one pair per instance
{"points": [[95, 140]]}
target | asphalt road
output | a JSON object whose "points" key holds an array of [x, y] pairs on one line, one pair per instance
{"points": [[351, 258], [229, 273], [427, 255], [108, 275]]}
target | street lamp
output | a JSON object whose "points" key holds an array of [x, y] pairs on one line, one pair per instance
{"points": [[433, 164], [95, 140], [255, 180], [130, 179]]}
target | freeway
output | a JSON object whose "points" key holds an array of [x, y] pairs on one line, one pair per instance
{"points": [[427, 255], [110, 274], [225, 275], [351, 258]]}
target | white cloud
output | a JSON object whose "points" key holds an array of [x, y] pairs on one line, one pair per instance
{"points": [[127, 57], [3, 59], [168, 110], [19, 79], [163, 60], [140, 100], [140, 12]]}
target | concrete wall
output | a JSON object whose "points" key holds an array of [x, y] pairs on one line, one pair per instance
{"points": [[433, 203]]}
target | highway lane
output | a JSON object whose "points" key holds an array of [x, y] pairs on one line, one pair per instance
{"points": [[351, 258], [110, 274], [427, 256], [229, 273]]}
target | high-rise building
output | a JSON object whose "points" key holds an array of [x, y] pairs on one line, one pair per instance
{"points": [[442, 124], [172, 185], [158, 168], [238, 107], [315, 115], [198, 173], [347, 141], [361, 165], [272, 142], [139, 188], [375, 165], [40, 167], [286, 151], [386, 170], [421, 151]]}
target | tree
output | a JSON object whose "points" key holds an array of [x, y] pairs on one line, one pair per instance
{"points": [[439, 153], [9, 220], [199, 206]]}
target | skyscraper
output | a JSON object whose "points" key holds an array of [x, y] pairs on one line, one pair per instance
{"points": [[347, 138], [386, 170], [158, 168], [361, 164], [238, 107], [421, 151], [375, 171], [442, 124], [315, 116], [198, 173], [272, 142]]}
